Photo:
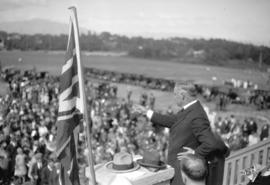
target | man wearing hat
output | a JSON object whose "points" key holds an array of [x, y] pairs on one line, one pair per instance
{"points": [[190, 130]]}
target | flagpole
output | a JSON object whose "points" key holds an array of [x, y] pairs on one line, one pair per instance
{"points": [[82, 94]]}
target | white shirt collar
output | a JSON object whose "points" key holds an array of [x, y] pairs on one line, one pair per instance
{"points": [[189, 104]]}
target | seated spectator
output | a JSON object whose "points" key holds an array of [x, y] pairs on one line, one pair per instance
{"points": [[193, 170]]}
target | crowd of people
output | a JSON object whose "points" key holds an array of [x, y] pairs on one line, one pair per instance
{"points": [[115, 127], [225, 95], [28, 130], [29, 112], [27, 126], [230, 92], [240, 133]]}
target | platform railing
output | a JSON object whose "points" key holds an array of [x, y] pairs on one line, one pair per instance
{"points": [[244, 158]]}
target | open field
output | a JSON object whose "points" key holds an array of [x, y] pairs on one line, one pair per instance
{"points": [[52, 62]]}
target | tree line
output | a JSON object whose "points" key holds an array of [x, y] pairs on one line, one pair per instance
{"points": [[211, 51]]}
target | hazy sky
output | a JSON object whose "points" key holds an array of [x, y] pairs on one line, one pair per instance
{"points": [[240, 20]]}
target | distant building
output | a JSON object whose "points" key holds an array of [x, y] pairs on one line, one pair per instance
{"points": [[196, 53], [14, 36]]}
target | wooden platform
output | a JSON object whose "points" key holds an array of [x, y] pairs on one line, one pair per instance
{"points": [[141, 176]]}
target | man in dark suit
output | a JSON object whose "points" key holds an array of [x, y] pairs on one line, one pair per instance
{"points": [[35, 172], [190, 130], [49, 174]]}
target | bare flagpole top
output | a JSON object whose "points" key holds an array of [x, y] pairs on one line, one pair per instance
{"points": [[72, 8]]}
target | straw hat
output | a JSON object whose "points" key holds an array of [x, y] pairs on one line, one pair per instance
{"points": [[122, 163]]}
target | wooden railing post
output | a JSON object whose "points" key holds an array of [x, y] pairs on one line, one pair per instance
{"points": [[256, 154]]}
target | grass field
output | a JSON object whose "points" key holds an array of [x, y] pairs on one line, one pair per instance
{"points": [[53, 61]]}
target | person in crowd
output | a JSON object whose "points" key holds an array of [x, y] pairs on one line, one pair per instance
{"points": [[20, 166], [193, 169], [253, 138], [4, 166], [29, 112], [190, 121], [152, 101], [252, 126], [48, 174], [35, 173], [143, 99], [264, 132]]}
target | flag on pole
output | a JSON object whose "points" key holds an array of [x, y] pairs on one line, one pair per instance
{"points": [[70, 111]]}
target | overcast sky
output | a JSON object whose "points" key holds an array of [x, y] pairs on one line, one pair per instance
{"points": [[240, 20]]}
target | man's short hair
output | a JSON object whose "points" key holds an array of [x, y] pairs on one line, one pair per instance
{"points": [[180, 87], [194, 167]]}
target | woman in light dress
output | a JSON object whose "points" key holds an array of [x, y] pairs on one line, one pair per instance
{"points": [[20, 166]]}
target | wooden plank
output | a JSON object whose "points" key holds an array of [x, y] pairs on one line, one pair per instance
{"points": [[256, 156], [239, 169], [225, 172], [232, 172], [264, 161]]}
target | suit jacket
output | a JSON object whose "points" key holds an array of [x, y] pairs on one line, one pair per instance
{"points": [[48, 177], [190, 128], [36, 172]]}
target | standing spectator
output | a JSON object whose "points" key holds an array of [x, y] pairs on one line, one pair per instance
{"points": [[252, 126], [143, 99], [152, 100], [20, 166], [48, 174], [35, 173], [129, 93], [264, 132], [4, 167], [245, 128], [253, 138]]}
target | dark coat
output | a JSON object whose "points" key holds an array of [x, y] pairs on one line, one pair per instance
{"points": [[36, 173], [48, 177], [260, 180], [189, 128]]}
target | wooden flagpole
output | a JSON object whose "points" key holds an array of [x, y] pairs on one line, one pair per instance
{"points": [[82, 94]]}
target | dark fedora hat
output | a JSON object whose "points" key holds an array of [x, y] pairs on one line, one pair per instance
{"points": [[122, 163], [151, 159]]}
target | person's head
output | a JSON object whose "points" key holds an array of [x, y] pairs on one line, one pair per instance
{"points": [[38, 157], [182, 94], [19, 150], [193, 169]]}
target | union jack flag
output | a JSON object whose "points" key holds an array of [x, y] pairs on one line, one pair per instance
{"points": [[71, 109]]}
